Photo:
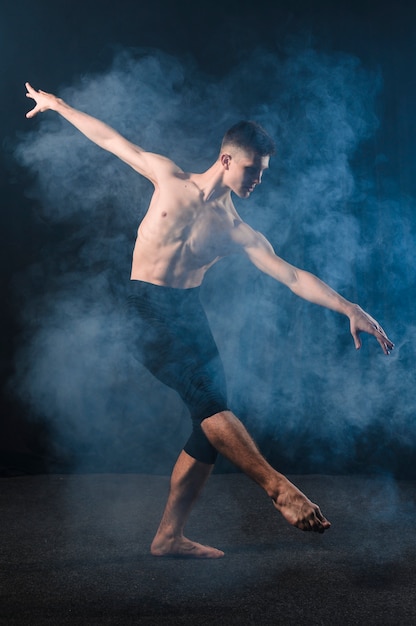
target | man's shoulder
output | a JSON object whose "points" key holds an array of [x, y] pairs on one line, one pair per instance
{"points": [[165, 166], [246, 237], [160, 169]]}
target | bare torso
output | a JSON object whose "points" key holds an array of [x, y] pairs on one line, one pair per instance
{"points": [[182, 234]]}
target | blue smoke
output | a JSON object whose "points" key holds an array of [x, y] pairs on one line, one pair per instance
{"points": [[293, 374]]}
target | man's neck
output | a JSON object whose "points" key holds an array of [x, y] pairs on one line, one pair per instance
{"points": [[211, 183]]}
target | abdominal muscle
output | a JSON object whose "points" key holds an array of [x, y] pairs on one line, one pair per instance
{"points": [[170, 264]]}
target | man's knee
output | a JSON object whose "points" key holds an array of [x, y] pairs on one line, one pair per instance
{"points": [[198, 445]]}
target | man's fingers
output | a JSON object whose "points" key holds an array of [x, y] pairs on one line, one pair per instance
{"points": [[32, 112], [383, 340], [31, 93], [30, 90], [384, 347], [387, 346], [379, 330], [357, 340]]}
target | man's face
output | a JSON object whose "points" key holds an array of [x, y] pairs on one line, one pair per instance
{"points": [[244, 173]]}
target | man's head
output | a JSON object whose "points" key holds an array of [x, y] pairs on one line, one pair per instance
{"points": [[245, 152], [249, 137]]}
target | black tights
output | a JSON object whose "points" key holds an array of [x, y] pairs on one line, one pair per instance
{"points": [[174, 342]]}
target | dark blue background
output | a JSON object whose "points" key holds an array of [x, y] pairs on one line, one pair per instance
{"points": [[56, 45]]}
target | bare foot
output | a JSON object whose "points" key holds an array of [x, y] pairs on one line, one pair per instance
{"points": [[184, 548], [298, 510]]}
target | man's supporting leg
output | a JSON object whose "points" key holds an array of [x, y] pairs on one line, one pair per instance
{"points": [[188, 478], [228, 435]]}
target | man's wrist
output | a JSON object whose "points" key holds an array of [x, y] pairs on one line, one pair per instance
{"points": [[58, 105], [350, 309]]}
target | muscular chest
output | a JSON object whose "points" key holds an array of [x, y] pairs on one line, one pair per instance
{"points": [[182, 218]]}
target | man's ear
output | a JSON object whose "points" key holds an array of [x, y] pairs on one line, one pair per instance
{"points": [[225, 160]]}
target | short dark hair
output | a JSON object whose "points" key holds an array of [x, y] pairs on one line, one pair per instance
{"points": [[249, 135]]}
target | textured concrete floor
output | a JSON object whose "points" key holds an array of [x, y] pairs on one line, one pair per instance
{"points": [[74, 550]]}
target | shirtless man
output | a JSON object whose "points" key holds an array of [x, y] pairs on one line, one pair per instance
{"points": [[190, 225]]}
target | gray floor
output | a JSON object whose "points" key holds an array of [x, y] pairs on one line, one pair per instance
{"points": [[74, 550]]}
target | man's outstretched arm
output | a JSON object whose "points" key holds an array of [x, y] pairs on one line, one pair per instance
{"points": [[307, 286], [146, 163]]}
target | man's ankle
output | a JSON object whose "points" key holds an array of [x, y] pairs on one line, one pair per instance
{"points": [[275, 485]]}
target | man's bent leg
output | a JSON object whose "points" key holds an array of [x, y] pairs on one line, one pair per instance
{"points": [[188, 478], [228, 435]]}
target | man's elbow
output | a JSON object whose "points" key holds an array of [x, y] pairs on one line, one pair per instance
{"points": [[290, 278]]}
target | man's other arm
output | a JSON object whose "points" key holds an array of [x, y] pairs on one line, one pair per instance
{"points": [[307, 285], [146, 163]]}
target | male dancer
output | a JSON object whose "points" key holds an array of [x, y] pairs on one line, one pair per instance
{"points": [[192, 223]]}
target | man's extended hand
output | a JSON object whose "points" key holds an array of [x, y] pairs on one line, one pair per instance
{"points": [[43, 100], [360, 321]]}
